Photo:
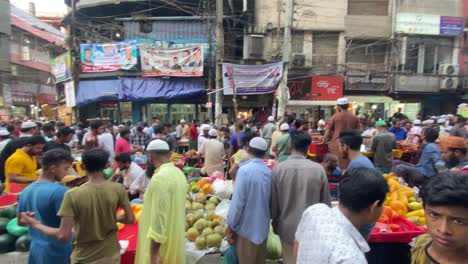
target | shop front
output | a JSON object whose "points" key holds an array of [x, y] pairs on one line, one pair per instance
{"points": [[382, 106], [314, 97]]}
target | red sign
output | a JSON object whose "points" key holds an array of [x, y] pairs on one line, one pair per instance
{"points": [[326, 88]]}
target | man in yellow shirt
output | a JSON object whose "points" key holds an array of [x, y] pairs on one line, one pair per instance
{"points": [[161, 234], [21, 167]]}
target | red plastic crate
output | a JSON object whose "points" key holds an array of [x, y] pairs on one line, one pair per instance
{"points": [[318, 148], [408, 231]]}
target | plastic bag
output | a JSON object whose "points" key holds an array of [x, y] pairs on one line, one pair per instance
{"points": [[230, 256], [216, 175], [14, 229], [223, 208], [222, 189], [274, 248]]}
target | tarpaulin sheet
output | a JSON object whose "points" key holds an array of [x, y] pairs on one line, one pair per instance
{"points": [[174, 90], [97, 90]]}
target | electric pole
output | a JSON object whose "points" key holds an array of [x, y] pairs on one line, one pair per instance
{"points": [[283, 89], [219, 61]]}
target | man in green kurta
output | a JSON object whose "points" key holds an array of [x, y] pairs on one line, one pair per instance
{"points": [[161, 234]]}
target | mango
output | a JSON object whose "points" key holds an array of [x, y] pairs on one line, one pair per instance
{"points": [[418, 213], [413, 206]]}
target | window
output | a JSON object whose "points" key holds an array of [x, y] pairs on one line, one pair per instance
{"points": [[426, 54], [324, 51], [146, 26], [297, 42], [368, 7], [366, 55]]}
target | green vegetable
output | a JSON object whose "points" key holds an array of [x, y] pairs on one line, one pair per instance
{"points": [[3, 224], [274, 249], [23, 243], [14, 229], [7, 243], [8, 212]]}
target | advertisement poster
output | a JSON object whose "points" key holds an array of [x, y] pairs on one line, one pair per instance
{"points": [[61, 67], [428, 24], [104, 57], [70, 97], [180, 62], [251, 79]]}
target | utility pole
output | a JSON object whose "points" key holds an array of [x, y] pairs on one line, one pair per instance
{"points": [[283, 89], [219, 61], [74, 66]]}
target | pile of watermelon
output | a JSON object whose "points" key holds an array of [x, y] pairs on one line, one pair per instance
{"points": [[12, 236]]}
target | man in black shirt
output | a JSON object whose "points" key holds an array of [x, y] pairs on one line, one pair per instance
{"points": [[64, 136]]}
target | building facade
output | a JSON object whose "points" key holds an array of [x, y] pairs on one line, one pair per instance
{"points": [[390, 53], [31, 91]]}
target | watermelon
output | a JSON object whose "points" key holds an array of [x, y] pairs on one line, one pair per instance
{"points": [[23, 243], [14, 229], [8, 212], [3, 224], [7, 243]]}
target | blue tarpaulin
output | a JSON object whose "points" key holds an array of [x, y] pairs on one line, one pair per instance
{"points": [[97, 90], [174, 90], [154, 90]]}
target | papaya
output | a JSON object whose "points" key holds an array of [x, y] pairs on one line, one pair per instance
{"points": [[399, 207]]}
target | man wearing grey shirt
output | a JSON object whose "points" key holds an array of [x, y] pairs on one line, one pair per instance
{"points": [[268, 130], [297, 183], [382, 145]]}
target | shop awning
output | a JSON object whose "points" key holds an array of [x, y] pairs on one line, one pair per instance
{"points": [[157, 90], [97, 90]]}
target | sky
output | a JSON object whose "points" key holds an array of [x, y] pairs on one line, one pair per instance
{"points": [[43, 7]]}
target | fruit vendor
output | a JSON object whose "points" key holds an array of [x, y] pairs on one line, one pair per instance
{"points": [[339, 121], [445, 199], [416, 175], [213, 151], [21, 167], [161, 230], [128, 173], [43, 198], [331, 235], [453, 152], [249, 214], [382, 145]]}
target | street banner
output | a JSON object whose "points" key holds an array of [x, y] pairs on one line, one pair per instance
{"points": [[61, 67], [251, 79], [105, 57], [179, 62]]}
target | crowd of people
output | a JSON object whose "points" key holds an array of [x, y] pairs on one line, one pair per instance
{"points": [[296, 195]]}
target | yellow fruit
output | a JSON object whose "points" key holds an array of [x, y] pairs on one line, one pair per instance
{"points": [[413, 219], [195, 189], [418, 213], [413, 206], [412, 199], [422, 220], [120, 226], [137, 216]]}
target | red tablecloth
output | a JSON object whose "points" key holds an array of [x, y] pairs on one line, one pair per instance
{"points": [[130, 233]]}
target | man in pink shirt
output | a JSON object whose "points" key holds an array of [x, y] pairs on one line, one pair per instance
{"points": [[123, 145]]}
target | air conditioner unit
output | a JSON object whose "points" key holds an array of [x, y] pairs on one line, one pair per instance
{"points": [[449, 83], [255, 46], [465, 83], [449, 69], [298, 60]]}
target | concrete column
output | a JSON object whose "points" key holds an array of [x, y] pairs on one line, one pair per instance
{"points": [[136, 112], [341, 53], [307, 49], [456, 50]]}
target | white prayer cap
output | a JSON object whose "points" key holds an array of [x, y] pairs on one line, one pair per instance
{"points": [[158, 145], [213, 133], [258, 143], [28, 124], [441, 121], [284, 127], [427, 122], [450, 116], [321, 122], [416, 122], [4, 132], [271, 119], [342, 101], [182, 121], [205, 127]]}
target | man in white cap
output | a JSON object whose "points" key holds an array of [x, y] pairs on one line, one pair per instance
{"points": [[161, 230], [281, 147], [340, 121], [268, 129], [213, 152], [204, 129], [28, 129], [179, 129], [249, 214], [441, 125], [414, 135], [5, 136]]}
